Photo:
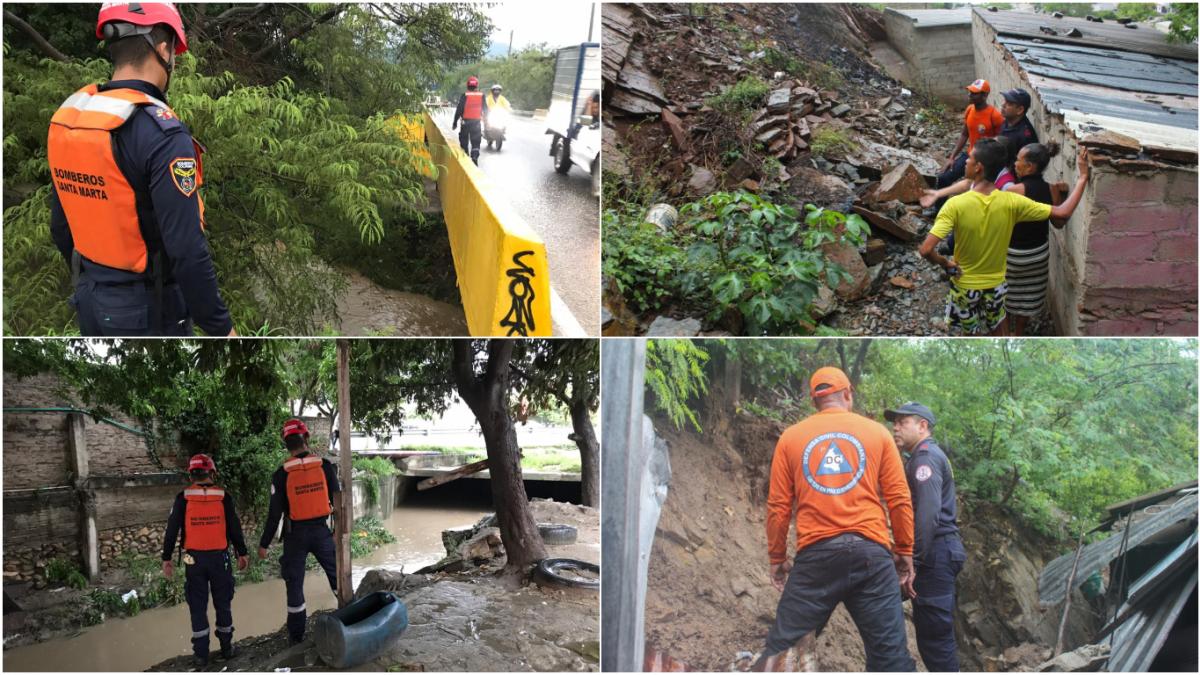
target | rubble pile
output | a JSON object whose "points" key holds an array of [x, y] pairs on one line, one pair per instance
{"points": [[832, 130]]}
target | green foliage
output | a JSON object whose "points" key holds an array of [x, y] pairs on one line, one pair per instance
{"points": [[642, 262], [65, 573], [300, 149], [742, 97], [1052, 430], [1184, 26], [760, 259], [1075, 9], [827, 140], [675, 376], [368, 535], [527, 76], [372, 470], [777, 59]]}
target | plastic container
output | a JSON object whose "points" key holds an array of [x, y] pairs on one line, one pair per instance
{"points": [[361, 630]]}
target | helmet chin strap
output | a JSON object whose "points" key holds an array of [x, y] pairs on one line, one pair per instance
{"points": [[168, 66]]}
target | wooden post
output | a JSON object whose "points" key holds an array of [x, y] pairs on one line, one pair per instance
{"points": [[1062, 623], [345, 521]]}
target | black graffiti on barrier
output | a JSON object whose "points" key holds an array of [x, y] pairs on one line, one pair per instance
{"points": [[519, 319]]}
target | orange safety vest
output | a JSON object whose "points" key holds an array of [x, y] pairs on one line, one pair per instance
{"points": [[307, 492], [204, 519], [99, 202], [473, 108]]}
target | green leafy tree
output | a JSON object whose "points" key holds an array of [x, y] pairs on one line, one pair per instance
{"points": [[675, 376], [527, 76]]}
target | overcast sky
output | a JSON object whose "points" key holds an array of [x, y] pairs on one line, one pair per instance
{"points": [[558, 24]]}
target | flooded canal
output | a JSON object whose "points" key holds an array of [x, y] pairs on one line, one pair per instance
{"points": [[138, 642]]}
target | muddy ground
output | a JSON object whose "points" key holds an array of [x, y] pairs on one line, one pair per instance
{"points": [[709, 597], [664, 143], [469, 621]]}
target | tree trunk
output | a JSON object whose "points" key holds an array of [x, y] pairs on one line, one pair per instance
{"points": [[589, 452], [487, 398]]}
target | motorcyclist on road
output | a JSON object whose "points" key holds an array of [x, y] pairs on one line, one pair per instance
{"points": [[496, 99]]}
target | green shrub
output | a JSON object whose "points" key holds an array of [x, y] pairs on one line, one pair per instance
{"points": [[65, 573], [642, 260], [761, 259], [368, 535], [372, 470], [742, 97]]}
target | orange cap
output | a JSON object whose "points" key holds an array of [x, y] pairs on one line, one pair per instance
{"points": [[828, 380], [979, 86]]}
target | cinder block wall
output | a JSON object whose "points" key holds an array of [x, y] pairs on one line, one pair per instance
{"points": [[942, 57], [1125, 264]]}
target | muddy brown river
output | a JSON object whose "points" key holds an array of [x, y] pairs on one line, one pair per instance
{"points": [[367, 308], [139, 642]]}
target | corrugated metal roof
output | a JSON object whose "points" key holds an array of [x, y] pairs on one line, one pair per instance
{"points": [[1139, 639], [935, 18], [1142, 40], [1053, 580], [1132, 82]]}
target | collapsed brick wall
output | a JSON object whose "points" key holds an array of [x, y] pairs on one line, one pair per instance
{"points": [[942, 57], [1125, 264]]}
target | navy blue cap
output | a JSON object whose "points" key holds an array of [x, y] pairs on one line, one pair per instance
{"points": [[1018, 96], [910, 408]]}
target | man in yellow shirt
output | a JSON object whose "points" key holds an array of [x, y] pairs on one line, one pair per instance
{"points": [[982, 221], [496, 99]]}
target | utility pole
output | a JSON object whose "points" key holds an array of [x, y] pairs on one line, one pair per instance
{"points": [[510, 41], [345, 520], [591, 21]]}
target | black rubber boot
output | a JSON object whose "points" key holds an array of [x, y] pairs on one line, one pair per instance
{"points": [[228, 650], [200, 661]]}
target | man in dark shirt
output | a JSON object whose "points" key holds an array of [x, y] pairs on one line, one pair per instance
{"points": [[131, 229], [472, 110], [304, 490], [204, 515], [938, 553], [1016, 128]]}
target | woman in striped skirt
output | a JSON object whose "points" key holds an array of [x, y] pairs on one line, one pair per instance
{"points": [[1029, 247]]}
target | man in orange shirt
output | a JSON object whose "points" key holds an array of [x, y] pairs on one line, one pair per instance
{"points": [[980, 120], [834, 469]]}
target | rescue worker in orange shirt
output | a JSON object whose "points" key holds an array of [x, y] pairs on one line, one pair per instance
{"points": [[832, 470], [125, 211], [980, 120], [303, 491], [471, 110], [204, 514]]}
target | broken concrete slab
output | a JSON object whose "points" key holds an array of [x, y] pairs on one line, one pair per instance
{"points": [[903, 183], [812, 186], [1112, 141], [1086, 659], [667, 327], [883, 156]]}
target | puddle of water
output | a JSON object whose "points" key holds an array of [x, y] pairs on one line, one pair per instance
{"points": [[367, 308], [136, 643]]}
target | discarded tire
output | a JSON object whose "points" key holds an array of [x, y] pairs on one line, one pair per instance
{"points": [[557, 535], [359, 631], [568, 572]]}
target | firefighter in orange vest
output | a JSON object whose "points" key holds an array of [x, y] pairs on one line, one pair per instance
{"points": [[471, 111], [204, 514], [125, 211], [304, 490]]}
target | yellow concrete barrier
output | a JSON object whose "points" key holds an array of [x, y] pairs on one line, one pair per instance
{"points": [[503, 273], [411, 129]]}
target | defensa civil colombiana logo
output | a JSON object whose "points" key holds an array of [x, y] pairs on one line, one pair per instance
{"points": [[835, 469]]}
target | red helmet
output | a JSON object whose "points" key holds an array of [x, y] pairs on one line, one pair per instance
{"points": [[294, 426], [472, 81], [146, 14], [202, 462]]}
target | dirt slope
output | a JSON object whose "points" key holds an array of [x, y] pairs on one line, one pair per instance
{"points": [[709, 597]]}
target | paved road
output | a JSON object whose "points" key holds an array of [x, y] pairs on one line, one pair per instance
{"points": [[560, 208]]}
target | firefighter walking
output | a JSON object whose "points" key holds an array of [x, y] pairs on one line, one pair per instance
{"points": [[303, 492], [125, 211], [205, 516], [471, 110]]}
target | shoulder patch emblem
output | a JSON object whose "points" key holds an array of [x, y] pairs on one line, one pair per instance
{"points": [[164, 114], [924, 473], [183, 173]]}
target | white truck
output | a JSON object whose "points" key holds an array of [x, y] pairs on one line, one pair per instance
{"points": [[576, 133]]}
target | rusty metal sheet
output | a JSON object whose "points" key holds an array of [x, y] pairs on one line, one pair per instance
{"points": [[1053, 580], [1143, 40]]}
